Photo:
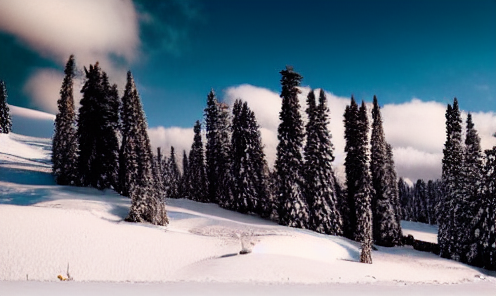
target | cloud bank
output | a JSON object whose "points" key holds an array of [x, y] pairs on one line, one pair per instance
{"points": [[105, 31], [415, 129]]}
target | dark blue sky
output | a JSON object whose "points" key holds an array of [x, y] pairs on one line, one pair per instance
{"points": [[432, 50]]}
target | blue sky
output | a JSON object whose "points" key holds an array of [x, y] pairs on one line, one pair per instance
{"points": [[432, 50]]}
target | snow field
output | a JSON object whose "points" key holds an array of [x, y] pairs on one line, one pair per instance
{"points": [[45, 227]]}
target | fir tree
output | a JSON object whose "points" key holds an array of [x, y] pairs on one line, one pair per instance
{"points": [[174, 175], [293, 209], [250, 193], [405, 197], [319, 176], [110, 133], [184, 184], [364, 191], [64, 142], [196, 169], [485, 233], [449, 232], [217, 151], [351, 135], [472, 174], [393, 192], [385, 226], [139, 172], [5, 120], [89, 135]]}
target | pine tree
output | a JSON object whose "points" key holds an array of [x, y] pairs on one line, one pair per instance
{"points": [[486, 233], [139, 173], [293, 209], [64, 142], [5, 120], [393, 192], [385, 227], [405, 197], [351, 135], [174, 175], [472, 174], [217, 150], [364, 191], [250, 193], [420, 202], [89, 122], [98, 131], [449, 232], [196, 169], [319, 176], [184, 184], [110, 133]]}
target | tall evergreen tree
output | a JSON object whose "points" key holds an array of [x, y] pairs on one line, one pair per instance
{"points": [[110, 133], [250, 193], [293, 209], [184, 187], [5, 120], [385, 226], [174, 175], [364, 191], [217, 150], [319, 176], [473, 179], [485, 232], [351, 135], [139, 172], [64, 142], [90, 121], [449, 232], [393, 191], [196, 169]]}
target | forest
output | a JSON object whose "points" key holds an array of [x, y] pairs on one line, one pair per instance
{"points": [[104, 144]]}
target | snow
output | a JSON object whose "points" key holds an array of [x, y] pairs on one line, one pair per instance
{"points": [[45, 227]]}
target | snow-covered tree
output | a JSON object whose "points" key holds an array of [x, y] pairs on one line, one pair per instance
{"points": [[64, 142], [319, 176], [293, 209], [217, 151], [173, 175], [139, 174], [364, 192], [250, 193], [385, 226], [351, 135], [184, 183], [449, 233], [5, 120], [196, 170], [110, 134], [472, 175], [485, 232]]}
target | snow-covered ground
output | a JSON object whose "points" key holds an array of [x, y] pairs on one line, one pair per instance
{"points": [[44, 228]]}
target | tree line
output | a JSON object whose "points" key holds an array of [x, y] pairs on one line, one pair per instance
{"points": [[106, 146]]}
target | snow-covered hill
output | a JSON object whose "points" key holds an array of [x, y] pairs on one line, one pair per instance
{"points": [[44, 228]]}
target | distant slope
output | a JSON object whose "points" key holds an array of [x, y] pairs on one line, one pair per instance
{"points": [[32, 123]]}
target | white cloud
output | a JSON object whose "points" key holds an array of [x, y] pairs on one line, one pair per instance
{"points": [[180, 138], [44, 86], [58, 28], [92, 30]]}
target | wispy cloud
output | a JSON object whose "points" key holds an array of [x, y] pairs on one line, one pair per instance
{"points": [[92, 30]]}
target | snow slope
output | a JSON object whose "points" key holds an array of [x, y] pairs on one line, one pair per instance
{"points": [[45, 227]]}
